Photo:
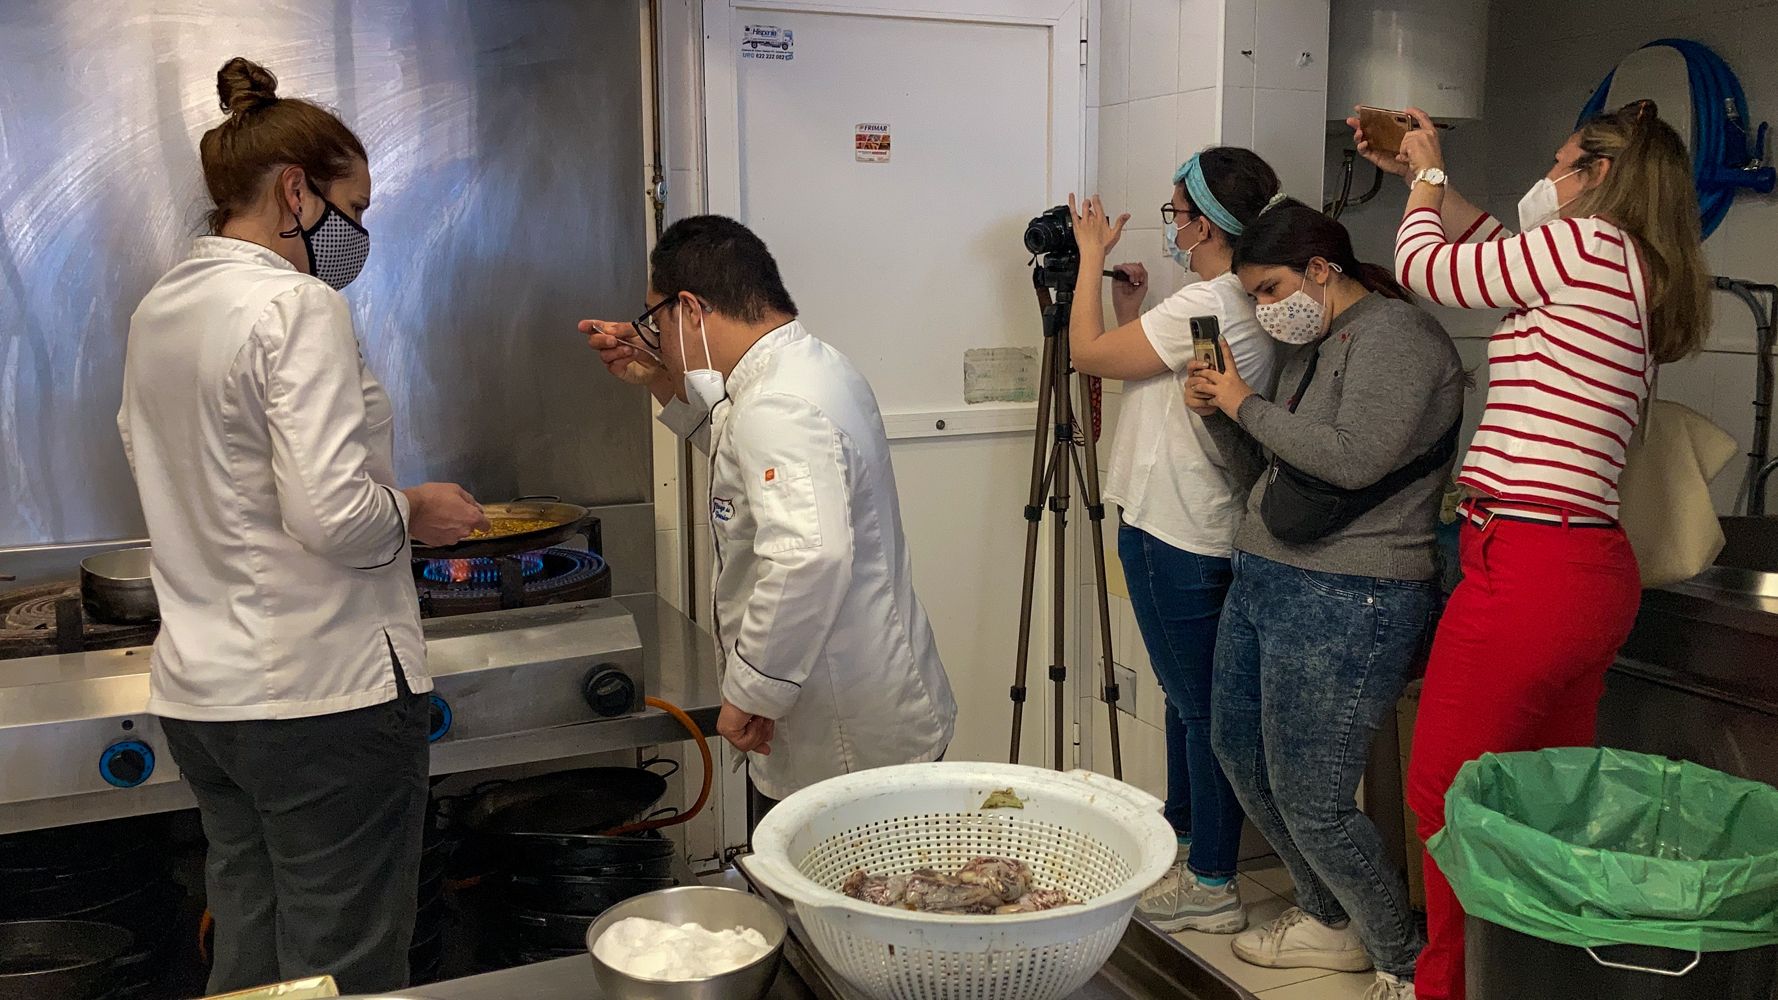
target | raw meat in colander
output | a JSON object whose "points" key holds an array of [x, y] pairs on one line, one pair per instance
{"points": [[1008, 878], [883, 890], [1037, 899], [930, 892], [984, 885]]}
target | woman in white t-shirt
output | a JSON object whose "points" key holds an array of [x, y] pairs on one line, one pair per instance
{"points": [[1179, 506]]}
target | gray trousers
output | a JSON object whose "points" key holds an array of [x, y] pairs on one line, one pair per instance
{"points": [[314, 829]]}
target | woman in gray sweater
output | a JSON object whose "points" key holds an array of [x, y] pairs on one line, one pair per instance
{"points": [[1332, 593]]}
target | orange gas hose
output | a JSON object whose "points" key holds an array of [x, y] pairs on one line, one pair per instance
{"points": [[703, 793]]}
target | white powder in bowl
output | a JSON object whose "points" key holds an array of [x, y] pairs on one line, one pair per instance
{"points": [[652, 949]]}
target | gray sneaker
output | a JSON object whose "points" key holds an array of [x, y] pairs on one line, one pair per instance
{"points": [[1180, 902]]}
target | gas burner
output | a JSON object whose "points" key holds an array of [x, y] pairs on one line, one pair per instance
{"points": [[28, 624], [484, 571], [547, 576]]}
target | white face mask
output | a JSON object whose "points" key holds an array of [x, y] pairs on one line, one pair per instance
{"points": [[1297, 319], [1542, 205], [703, 386], [1170, 236]]}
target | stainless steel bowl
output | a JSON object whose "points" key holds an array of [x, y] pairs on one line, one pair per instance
{"points": [[712, 907], [115, 587]]}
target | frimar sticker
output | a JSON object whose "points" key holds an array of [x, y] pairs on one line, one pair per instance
{"points": [[870, 142], [722, 509], [766, 41]]}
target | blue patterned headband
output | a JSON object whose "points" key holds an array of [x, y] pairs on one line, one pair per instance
{"points": [[1191, 174]]}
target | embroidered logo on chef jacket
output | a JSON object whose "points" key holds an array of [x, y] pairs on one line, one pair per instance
{"points": [[722, 509]]}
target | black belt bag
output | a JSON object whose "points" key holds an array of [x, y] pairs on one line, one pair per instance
{"points": [[1299, 508]]}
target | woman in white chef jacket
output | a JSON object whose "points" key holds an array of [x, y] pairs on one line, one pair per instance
{"points": [[1178, 507], [830, 664], [289, 673]]}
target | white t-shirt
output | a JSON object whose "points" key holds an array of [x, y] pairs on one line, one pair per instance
{"points": [[1165, 472]]}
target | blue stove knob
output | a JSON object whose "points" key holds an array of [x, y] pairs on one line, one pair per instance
{"points": [[440, 716], [127, 764]]}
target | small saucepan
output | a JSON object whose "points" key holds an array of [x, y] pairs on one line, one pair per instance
{"points": [[115, 587]]}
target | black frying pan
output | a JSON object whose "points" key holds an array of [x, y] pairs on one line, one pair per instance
{"points": [[612, 797], [565, 520]]}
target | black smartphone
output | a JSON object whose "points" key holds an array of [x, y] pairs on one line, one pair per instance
{"points": [[1206, 341]]}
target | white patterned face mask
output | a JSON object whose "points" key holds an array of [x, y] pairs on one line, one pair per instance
{"points": [[1297, 319], [337, 246]]}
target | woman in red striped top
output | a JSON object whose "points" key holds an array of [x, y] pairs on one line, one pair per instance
{"points": [[1605, 281]]}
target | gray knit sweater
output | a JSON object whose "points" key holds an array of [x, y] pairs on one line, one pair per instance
{"points": [[1388, 385]]}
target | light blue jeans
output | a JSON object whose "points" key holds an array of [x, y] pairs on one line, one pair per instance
{"points": [[1307, 666]]}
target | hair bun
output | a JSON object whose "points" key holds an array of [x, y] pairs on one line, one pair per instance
{"points": [[245, 85]]}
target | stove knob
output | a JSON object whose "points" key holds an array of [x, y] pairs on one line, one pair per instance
{"points": [[440, 718], [609, 691], [127, 764]]}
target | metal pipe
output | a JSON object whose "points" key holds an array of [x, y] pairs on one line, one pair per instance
{"points": [[1758, 453]]}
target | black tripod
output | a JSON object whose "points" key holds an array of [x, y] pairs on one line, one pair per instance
{"points": [[1057, 447]]}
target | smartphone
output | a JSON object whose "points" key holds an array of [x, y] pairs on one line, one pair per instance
{"points": [[1384, 127], [1206, 337]]}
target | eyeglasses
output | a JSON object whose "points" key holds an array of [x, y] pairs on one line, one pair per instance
{"points": [[647, 328], [1169, 212]]}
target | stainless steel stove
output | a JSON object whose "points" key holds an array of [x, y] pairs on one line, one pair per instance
{"points": [[512, 686]]}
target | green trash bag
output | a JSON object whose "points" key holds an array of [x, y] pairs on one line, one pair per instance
{"points": [[1587, 847]]}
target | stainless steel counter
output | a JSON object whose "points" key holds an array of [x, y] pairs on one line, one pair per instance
{"points": [[1147, 965], [679, 666]]}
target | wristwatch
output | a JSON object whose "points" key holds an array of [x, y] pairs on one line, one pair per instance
{"points": [[1431, 175]]}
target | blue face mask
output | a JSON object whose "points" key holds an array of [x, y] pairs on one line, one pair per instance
{"points": [[1181, 257]]}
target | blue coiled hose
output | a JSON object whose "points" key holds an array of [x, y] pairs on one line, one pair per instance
{"points": [[1719, 152]]}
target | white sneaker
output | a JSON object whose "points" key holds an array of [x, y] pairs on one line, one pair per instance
{"points": [[1180, 902], [1387, 987], [1299, 941]]}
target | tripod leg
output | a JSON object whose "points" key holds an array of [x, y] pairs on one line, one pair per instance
{"points": [[1040, 475], [1096, 517], [1059, 498]]}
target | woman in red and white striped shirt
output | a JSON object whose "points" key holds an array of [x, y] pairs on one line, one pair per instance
{"points": [[1605, 282]]}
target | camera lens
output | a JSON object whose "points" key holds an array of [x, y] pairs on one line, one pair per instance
{"points": [[1051, 232]]}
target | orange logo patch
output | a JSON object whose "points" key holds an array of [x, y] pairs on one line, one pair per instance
{"points": [[771, 474]]}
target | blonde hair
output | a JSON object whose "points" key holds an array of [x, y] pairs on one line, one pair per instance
{"points": [[1648, 193]]}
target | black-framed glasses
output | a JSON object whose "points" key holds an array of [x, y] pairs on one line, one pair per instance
{"points": [[1169, 212], [646, 327]]}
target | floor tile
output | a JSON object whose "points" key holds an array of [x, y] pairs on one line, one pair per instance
{"points": [[1338, 986], [1262, 906], [1271, 873]]}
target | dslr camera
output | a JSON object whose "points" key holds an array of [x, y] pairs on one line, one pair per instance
{"points": [[1055, 256]]}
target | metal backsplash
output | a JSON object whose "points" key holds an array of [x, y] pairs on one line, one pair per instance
{"points": [[506, 156]]}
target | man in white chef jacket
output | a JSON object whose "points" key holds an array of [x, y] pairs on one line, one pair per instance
{"points": [[830, 665]]}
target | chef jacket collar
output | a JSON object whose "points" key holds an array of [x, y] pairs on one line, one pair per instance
{"points": [[758, 357], [225, 247]]}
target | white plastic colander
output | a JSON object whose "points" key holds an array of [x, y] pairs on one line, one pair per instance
{"points": [[1098, 839]]}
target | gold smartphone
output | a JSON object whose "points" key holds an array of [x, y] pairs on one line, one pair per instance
{"points": [[1383, 128]]}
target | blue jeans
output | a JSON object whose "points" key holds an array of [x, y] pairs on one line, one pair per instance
{"points": [[1177, 596], [1307, 666]]}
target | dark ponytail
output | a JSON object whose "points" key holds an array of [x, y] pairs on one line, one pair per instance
{"points": [[1237, 178], [1291, 234]]}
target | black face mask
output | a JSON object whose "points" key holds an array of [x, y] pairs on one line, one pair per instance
{"points": [[337, 246]]}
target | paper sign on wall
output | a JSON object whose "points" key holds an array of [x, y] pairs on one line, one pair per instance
{"points": [[1000, 375], [765, 41], [870, 142]]}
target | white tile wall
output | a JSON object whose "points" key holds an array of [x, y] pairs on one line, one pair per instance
{"points": [[1200, 44], [1114, 52], [1154, 48], [1113, 186], [1290, 45], [1289, 129]]}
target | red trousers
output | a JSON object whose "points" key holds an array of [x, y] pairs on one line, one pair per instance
{"points": [[1518, 663]]}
